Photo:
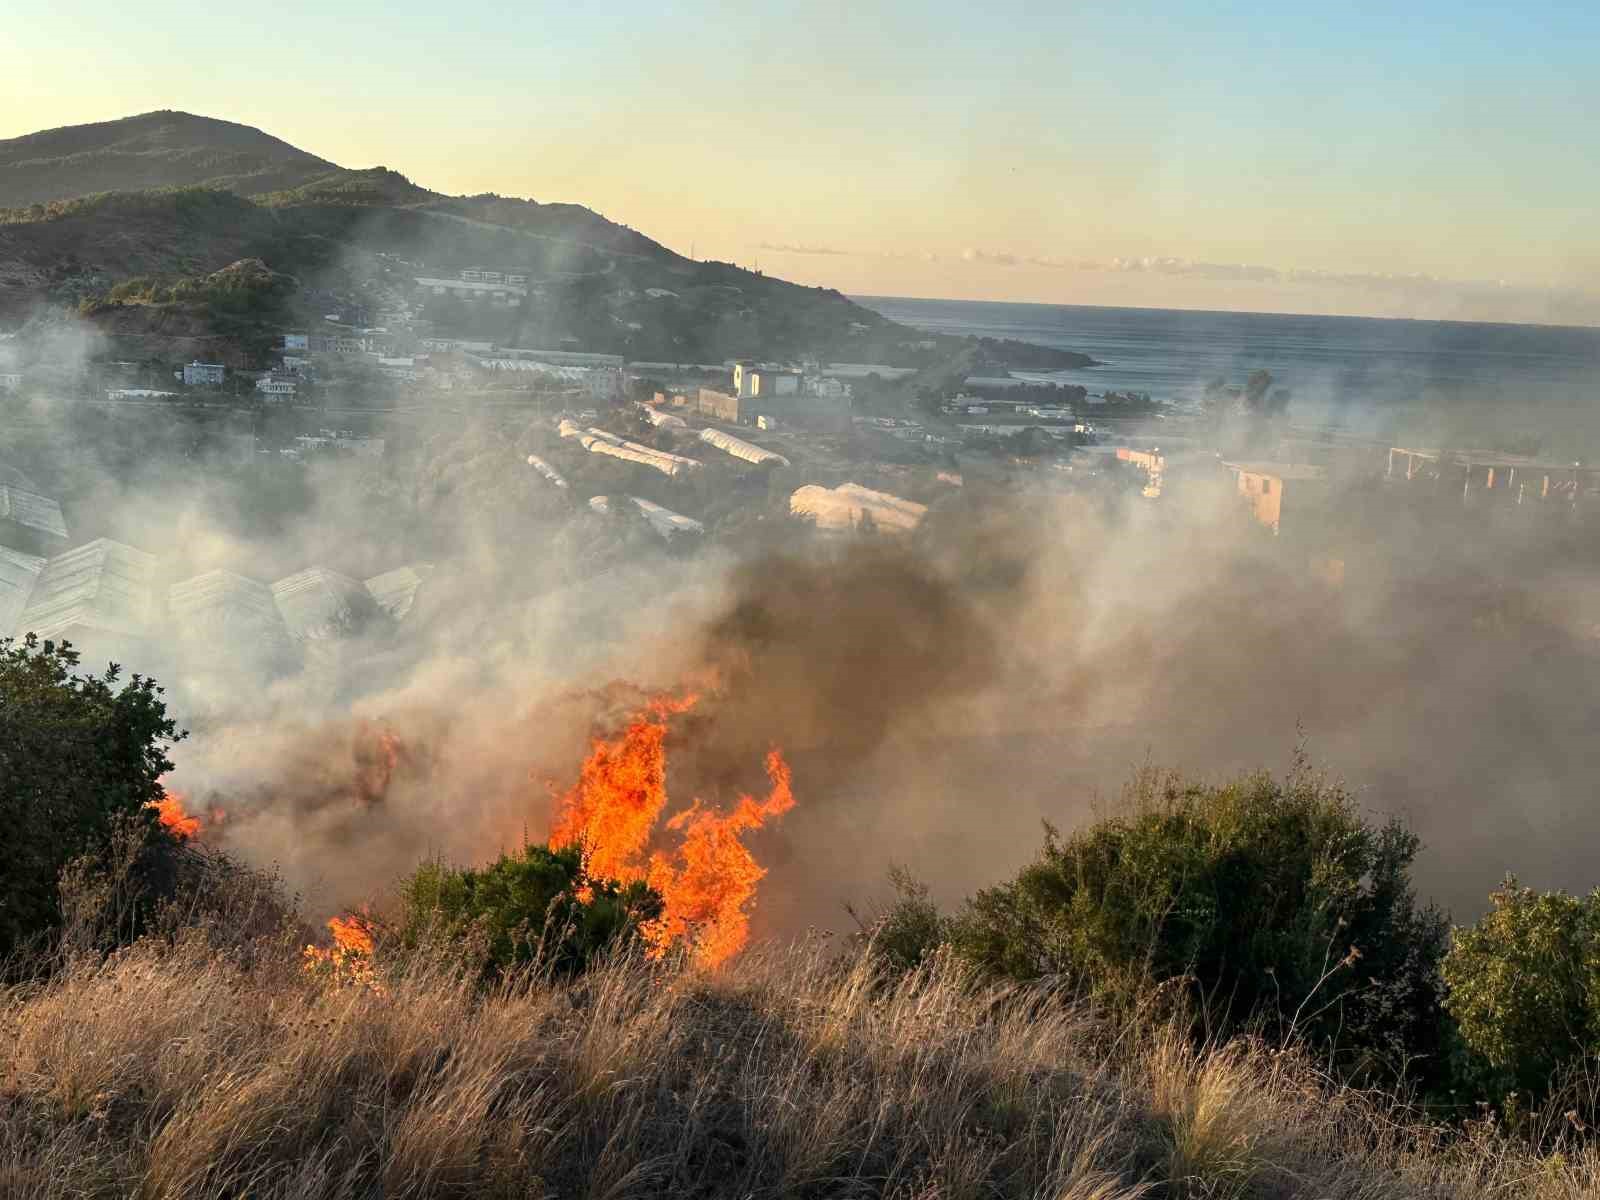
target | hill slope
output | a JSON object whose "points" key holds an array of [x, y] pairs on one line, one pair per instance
{"points": [[157, 149], [165, 198]]}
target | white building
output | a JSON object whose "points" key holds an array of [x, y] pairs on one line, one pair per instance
{"points": [[276, 388], [199, 374], [471, 290], [752, 382]]}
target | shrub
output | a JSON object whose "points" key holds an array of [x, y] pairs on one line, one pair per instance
{"points": [[536, 908], [1523, 986], [1273, 901], [78, 757]]}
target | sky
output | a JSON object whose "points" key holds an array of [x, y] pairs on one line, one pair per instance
{"points": [[1433, 159]]}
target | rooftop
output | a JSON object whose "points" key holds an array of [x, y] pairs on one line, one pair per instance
{"points": [[103, 585], [18, 573], [31, 510], [1279, 470], [470, 285]]}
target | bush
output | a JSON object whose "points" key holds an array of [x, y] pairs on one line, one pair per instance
{"points": [[79, 757], [533, 908], [1524, 986], [1273, 901]]}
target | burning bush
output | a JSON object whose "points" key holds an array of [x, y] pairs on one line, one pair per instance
{"points": [[537, 907]]}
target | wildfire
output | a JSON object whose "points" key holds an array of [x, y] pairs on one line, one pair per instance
{"points": [[174, 817], [707, 883], [349, 959], [378, 753]]}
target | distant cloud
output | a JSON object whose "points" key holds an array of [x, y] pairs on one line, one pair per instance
{"points": [[795, 248], [1000, 258]]}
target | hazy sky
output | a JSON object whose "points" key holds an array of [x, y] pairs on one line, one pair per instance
{"points": [[1014, 150]]}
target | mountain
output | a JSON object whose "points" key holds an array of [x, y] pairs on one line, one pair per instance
{"points": [[128, 222], [152, 150]]}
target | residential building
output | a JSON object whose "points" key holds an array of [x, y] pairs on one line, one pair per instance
{"points": [[1276, 492], [471, 290], [199, 374], [138, 394], [276, 387]]}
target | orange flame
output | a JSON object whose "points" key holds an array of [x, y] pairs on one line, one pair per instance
{"points": [[351, 934], [174, 817], [708, 882], [619, 795], [349, 959]]}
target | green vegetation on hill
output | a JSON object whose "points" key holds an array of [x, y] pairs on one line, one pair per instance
{"points": [[212, 1057], [152, 150], [1272, 901], [170, 195], [522, 910]]}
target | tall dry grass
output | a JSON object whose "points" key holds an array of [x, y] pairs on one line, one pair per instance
{"points": [[177, 1070]]}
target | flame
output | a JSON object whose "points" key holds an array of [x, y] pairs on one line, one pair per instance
{"points": [[619, 795], [174, 817], [351, 934], [349, 959], [707, 885], [378, 753], [708, 881]]}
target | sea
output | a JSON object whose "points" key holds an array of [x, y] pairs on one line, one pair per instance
{"points": [[1534, 388]]}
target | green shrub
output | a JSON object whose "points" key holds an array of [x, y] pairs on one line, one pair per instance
{"points": [[79, 757], [1273, 901], [912, 928], [536, 908], [1523, 986]]}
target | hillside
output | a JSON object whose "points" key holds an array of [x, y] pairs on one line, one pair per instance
{"points": [[169, 197], [152, 150]]}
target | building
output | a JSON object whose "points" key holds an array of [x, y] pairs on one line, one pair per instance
{"points": [[30, 522], [402, 369], [19, 573], [222, 611], [321, 603], [719, 405], [101, 596], [296, 341], [752, 382], [138, 394], [471, 290], [276, 387], [1279, 492], [199, 374], [396, 591], [10, 382], [1488, 478]]}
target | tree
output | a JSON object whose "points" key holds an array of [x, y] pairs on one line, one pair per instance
{"points": [[1270, 901], [1524, 985], [78, 755]]}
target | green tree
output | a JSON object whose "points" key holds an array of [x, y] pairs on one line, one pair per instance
{"points": [[79, 754], [536, 907], [1272, 901], [1524, 986]]}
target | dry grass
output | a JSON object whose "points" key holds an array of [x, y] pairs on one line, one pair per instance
{"points": [[172, 1070]]}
